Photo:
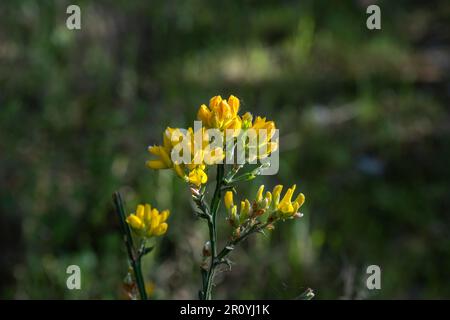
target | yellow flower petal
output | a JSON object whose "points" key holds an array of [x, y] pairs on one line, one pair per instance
{"points": [[154, 220], [214, 102], [164, 215], [204, 115], [234, 104], [135, 222], [147, 214], [161, 229], [140, 211], [300, 199], [286, 207]]}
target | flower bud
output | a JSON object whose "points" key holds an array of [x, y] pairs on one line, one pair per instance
{"points": [[234, 219], [228, 199], [276, 195], [259, 193]]}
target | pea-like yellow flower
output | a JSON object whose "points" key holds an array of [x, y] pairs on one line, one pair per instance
{"points": [[147, 222], [286, 208], [233, 216], [221, 114], [198, 176], [163, 153], [265, 131], [262, 202], [193, 170]]}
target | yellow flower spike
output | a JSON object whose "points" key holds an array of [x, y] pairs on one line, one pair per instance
{"points": [[234, 104], [228, 199], [135, 223], [147, 221], [259, 193], [164, 215]]}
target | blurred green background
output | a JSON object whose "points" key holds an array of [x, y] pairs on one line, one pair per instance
{"points": [[364, 131]]}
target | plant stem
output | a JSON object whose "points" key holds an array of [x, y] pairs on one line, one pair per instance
{"points": [[230, 245], [133, 257], [215, 203]]}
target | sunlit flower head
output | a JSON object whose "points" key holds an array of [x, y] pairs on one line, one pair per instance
{"points": [[286, 208], [147, 222], [221, 114]]}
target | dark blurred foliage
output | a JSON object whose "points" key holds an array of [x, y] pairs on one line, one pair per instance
{"points": [[364, 125]]}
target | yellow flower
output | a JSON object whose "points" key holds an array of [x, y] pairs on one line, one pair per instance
{"points": [[193, 171], [221, 114], [228, 199], [197, 176], [163, 153], [147, 222], [286, 207], [259, 193], [233, 217], [245, 210], [265, 131]]}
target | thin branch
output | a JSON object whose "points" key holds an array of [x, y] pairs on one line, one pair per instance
{"points": [[133, 257]]}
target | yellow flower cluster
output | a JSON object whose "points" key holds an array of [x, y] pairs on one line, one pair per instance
{"points": [[222, 115], [264, 203], [147, 222], [265, 131], [194, 172]]}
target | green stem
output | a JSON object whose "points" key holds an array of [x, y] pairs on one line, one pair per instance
{"points": [[215, 203], [230, 245], [133, 257]]}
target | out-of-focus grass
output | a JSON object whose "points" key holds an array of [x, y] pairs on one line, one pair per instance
{"points": [[363, 118]]}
